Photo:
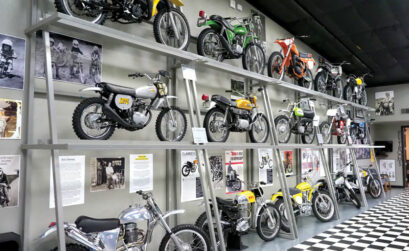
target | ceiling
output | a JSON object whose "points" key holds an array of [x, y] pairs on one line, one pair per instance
{"points": [[373, 35]]}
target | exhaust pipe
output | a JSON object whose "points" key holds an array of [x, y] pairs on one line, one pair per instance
{"points": [[114, 116], [227, 46]]}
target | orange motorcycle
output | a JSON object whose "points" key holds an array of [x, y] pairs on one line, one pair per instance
{"points": [[295, 64]]}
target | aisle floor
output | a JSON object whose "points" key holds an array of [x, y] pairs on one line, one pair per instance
{"points": [[309, 227]]}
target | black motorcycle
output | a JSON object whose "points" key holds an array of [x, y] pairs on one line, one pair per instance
{"points": [[189, 167], [357, 132], [370, 182], [170, 26], [354, 90], [233, 181], [328, 78]]}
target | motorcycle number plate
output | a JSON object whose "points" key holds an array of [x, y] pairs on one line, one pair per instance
{"points": [[123, 102]]}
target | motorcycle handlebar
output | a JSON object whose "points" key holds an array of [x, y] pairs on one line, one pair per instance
{"points": [[145, 196], [136, 75]]}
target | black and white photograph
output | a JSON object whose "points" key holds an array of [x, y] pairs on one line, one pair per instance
{"points": [[387, 166], [10, 119], [266, 165], [237, 89], [73, 60], [363, 153], [9, 180], [12, 62], [107, 174], [384, 103], [216, 168]]}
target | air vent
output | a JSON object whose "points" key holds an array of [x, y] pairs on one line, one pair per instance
{"points": [[404, 110]]}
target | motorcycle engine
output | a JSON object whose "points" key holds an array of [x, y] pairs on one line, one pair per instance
{"points": [[133, 234], [139, 116], [242, 223], [301, 129], [135, 10], [236, 46], [242, 124]]}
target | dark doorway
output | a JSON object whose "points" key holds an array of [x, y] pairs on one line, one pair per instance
{"points": [[405, 155]]}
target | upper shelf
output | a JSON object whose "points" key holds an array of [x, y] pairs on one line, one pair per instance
{"points": [[72, 23]]}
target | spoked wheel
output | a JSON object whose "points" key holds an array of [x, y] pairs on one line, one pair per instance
{"points": [[209, 45], [307, 80], [364, 98], [216, 129], [349, 93], [254, 58], [171, 124], [325, 129], [260, 130], [354, 198], [309, 135], [268, 222], [283, 128], [342, 139], [339, 86], [285, 224], [202, 223], [374, 188], [172, 29], [89, 121], [274, 64], [320, 84], [191, 238], [323, 206], [185, 171], [81, 9]]}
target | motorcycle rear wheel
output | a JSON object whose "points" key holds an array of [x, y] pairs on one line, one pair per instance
{"points": [[274, 64], [209, 41], [73, 247], [308, 138], [188, 234], [253, 58], [266, 229], [319, 82], [72, 8], [364, 98], [326, 132], [283, 128]]}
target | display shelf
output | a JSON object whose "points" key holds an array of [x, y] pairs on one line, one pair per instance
{"points": [[72, 23]]}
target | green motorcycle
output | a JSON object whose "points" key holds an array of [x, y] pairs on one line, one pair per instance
{"points": [[224, 40]]}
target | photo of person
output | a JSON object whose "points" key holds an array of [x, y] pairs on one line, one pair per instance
{"points": [[72, 60], [107, 174], [10, 119], [12, 61], [384, 103], [9, 180]]}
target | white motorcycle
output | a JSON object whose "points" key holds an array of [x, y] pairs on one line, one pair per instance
{"points": [[124, 233]]}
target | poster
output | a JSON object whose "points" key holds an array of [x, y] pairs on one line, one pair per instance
{"points": [[266, 165], [72, 172], [287, 157], [9, 180], [191, 187], [141, 172], [12, 62], [234, 171], [341, 159], [363, 153], [107, 174], [311, 164], [73, 60], [216, 168], [237, 89], [10, 119], [384, 103], [387, 166]]}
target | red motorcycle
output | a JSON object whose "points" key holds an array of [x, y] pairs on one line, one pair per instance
{"points": [[336, 127]]}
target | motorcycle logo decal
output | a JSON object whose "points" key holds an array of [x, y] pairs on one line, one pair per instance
{"points": [[124, 101]]}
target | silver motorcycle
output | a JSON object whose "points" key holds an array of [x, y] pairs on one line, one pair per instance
{"points": [[125, 232]]}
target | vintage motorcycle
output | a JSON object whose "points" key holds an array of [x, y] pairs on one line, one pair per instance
{"points": [[240, 115], [222, 40], [125, 232], [306, 198], [328, 78], [189, 167], [295, 64], [129, 108], [266, 160], [233, 181], [354, 91], [357, 132], [248, 210], [370, 181], [3, 194], [170, 26], [298, 119], [337, 125]]}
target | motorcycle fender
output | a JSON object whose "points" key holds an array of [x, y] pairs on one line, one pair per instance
{"points": [[49, 231], [348, 185], [89, 89], [211, 23], [167, 214], [169, 97], [276, 196], [320, 69], [178, 3]]}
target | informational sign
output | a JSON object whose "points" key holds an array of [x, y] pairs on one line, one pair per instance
{"points": [[341, 159], [191, 187], [199, 135], [141, 172], [311, 164], [387, 166], [234, 171], [72, 172], [189, 73], [266, 166], [9, 180]]}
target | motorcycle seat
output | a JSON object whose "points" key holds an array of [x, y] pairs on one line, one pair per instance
{"points": [[305, 55], [293, 191], [221, 99], [225, 202], [222, 21], [309, 114], [92, 225], [118, 89]]}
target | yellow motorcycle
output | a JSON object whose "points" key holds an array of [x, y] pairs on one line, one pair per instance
{"points": [[306, 199]]}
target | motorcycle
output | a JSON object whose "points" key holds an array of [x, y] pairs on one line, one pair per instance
{"points": [[306, 197], [222, 40], [354, 91], [77, 71], [248, 210], [95, 72], [328, 78], [125, 232], [235, 116], [170, 25], [370, 182], [385, 108], [216, 168], [4, 67], [266, 160], [130, 109], [295, 64], [298, 118], [337, 126], [189, 167], [3, 195], [357, 132], [233, 181]]}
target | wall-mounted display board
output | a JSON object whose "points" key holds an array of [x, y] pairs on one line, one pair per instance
{"points": [[191, 187], [234, 162], [266, 166], [10, 119], [141, 172], [387, 166]]}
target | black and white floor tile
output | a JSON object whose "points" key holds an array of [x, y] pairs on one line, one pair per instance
{"points": [[383, 227]]}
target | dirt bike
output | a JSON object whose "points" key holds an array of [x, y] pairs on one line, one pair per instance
{"points": [[77, 70], [306, 199], [354, 91], [370, 182], [127, 231], [328, 78], [297, 65], [266, 160], [170, 25], [248, 210], [95, 72], [298, 118], [189, 167], [235, 116], [222, 40], [130, 109], [336, 126]]}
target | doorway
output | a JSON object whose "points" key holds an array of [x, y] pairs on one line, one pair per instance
{"points": [[405, 155]]}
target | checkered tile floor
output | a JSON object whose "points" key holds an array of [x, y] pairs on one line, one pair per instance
{"points": [[383, 227]]}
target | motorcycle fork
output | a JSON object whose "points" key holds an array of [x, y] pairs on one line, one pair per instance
{"points": [[284, 62], [172, 21]]}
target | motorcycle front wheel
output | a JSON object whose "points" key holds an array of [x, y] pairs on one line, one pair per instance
{"points": [[216, 129], [254, 59], [349, 93], [323, 206], [260, 131], [209, 45], [375, 188], [268, 228], [192, 237], [319, 82], [326, 132], [283, 128], [73, 247], [274, 64], [354, 198], [185, 171], [284, 223], [307, 80], [171, 124], [308, 138], [164, 30], [202, 223], [339, 86], [89, 121], [364, 98], [77, 8]]}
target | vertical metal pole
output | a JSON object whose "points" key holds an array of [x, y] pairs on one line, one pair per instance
{"points": [[54, 140], [281, 170], [358, 177]]}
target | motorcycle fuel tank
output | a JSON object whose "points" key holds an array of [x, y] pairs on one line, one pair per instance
{"points": [[148, 91], [244, 104], [304, 186], [240, 30], [134, 214], [246, 197]]}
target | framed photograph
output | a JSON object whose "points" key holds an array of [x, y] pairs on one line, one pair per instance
{"points": [[10, 119], [385, 103], [12, 62], [107, 174]]}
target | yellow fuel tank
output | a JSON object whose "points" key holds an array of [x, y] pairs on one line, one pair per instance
{"points": [[304, 186], [244, 104], [249, 195]]}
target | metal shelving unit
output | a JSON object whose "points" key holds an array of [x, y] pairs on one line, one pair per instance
{"points": [[59, 20]]}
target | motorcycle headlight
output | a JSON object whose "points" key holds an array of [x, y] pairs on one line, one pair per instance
{"points": [[298, 199]]}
